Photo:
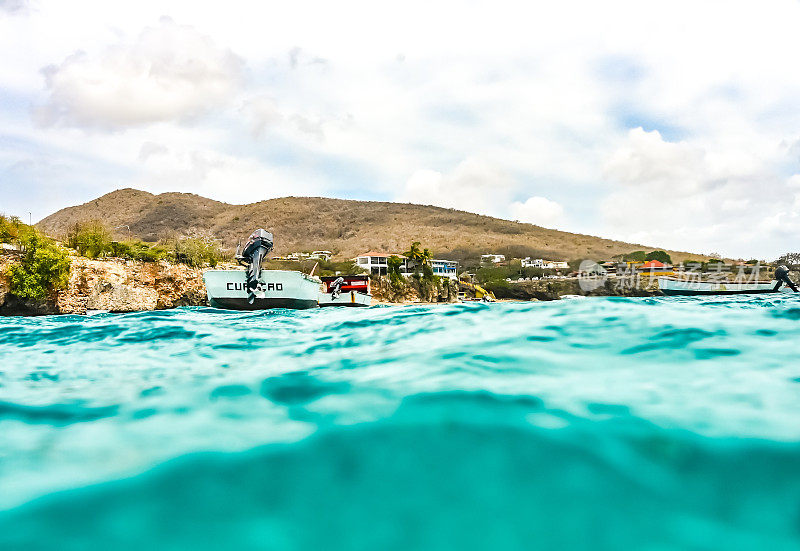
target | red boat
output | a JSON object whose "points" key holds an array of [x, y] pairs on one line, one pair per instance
{"points": [[346, 290]]}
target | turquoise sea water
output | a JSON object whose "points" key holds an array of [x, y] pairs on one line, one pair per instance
{"points": [[649, 423]]}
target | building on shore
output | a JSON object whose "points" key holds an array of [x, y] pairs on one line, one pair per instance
{"points": [[445, 268], [656, 267], [528, 262], [493, 258], [321, 255], [377, 263], [297, 257]]}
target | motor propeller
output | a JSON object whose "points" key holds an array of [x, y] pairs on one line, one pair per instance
{"points": [[782, 276], [336, 287], [256, 249]]}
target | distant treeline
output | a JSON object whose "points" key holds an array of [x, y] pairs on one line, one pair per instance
{"points": [[93, 239]]}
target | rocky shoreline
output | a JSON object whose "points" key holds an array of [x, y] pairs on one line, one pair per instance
{"points": [[118, 285], [115, 285], [554, 289]]}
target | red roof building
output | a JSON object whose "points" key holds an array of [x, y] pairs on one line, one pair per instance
{"points": [[654, 266]]}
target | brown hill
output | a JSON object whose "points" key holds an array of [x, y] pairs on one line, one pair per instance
{"points": [[345, 227]]}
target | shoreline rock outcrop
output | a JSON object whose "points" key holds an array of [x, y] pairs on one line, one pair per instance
{"points": [[554, 289], [115, 285], [130, 286]]}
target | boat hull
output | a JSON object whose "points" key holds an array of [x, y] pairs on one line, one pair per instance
{"points": [[279, 289], [347, 298], [677, 287]]}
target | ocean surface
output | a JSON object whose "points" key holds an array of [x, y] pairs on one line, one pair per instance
{"points": [[604, 423]]}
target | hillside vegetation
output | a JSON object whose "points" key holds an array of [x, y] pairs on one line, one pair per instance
{"points": [[345, 227]]}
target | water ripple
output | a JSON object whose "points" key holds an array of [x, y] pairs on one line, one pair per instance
{"points": [[467, 426]]}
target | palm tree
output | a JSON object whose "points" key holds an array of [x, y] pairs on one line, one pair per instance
{"points": [[427, 257], [427, 269], [393, 264], [415, 255]]}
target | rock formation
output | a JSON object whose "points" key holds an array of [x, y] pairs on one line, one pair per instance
{"points": [[111, 284]]}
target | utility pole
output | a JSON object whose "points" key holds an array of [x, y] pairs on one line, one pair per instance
{"points": [[30, 219]]}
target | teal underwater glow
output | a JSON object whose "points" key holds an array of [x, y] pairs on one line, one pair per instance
{"points": [[606, 423]]}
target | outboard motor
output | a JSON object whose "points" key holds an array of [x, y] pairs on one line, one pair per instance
{"points": [[336, 287], [255, 251], [782, 275]]}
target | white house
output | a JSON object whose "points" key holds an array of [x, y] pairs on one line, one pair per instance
{"points": [[528, 263], [377, 264], [321, 255], [544, 264], [445, 268], [493, 258]]}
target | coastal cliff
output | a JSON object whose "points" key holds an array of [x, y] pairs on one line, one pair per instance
{"points": [[111, 284], [128, 286]]}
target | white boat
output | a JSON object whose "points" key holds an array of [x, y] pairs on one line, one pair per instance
{"points": [[257, 289], [671, 286], [345, 291], [276, 289]]}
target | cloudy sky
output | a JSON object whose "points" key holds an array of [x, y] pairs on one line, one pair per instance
{"points": [[667, 123]]}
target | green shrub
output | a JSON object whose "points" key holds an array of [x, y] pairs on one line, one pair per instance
{"points": [[495, 273], [536, 272], [427, 273], [44, 267], [323, 267], [394, 263], [329, 268], [146, 252], [120, 250], [138, 250], [150, 253], [10, 228], [90, 238], [397, 280], [198, 251], [660, 256]]}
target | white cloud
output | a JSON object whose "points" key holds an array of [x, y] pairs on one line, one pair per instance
{"points": [[538, 210], [681, 195], [233, 179], [150, 148], [14, 7], [262, 113], [543, 97], [474, 186], [647, 161], [171, 72]]}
